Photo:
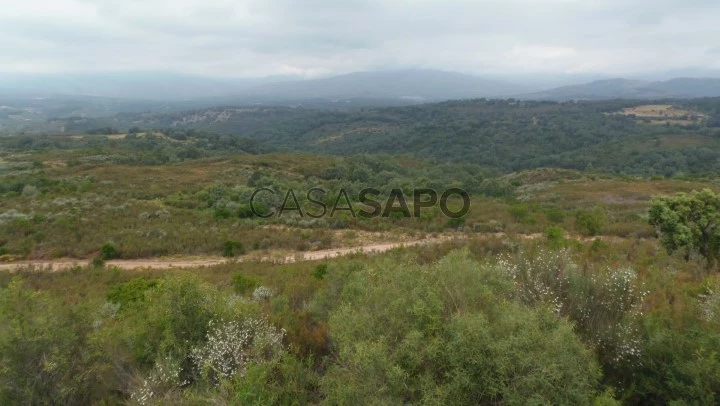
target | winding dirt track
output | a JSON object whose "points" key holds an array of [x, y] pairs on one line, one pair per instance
{"points": [[167, 263], [180, 262]]}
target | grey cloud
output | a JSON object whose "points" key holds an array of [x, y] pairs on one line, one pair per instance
{"points": [[253, 38]]}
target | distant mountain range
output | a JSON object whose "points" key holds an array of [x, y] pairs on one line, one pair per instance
{"points": [[411, 84], [27, 100], [679, 88]]}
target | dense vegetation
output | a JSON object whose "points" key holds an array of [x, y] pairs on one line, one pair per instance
{"points": [[505, 135], [420, 326], [552, 289]]}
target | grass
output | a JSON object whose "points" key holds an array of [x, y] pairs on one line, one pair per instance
{"points": [[663, 114]]}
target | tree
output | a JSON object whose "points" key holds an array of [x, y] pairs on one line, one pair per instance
{"points": [[689, 222]]}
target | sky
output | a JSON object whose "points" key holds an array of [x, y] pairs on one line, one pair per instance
{"points": [[312, 38]]}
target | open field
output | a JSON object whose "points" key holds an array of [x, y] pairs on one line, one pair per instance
{"points": [[664, 114]]}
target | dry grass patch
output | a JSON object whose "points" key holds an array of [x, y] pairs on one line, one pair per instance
{"points": [[663, 114]]}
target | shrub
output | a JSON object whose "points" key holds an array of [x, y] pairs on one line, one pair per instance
{"points": [[455, 222], [555, 215], [556, 237], [262, 294], [108, 251], [680, 364], [233, 248], [97, 262], [446, 334], [590, 222], [244, 212], [604, 305], [130, 292], [231, 346], [222, 213], [519, 212], [46, 354], [320, 271], [243, 284]]}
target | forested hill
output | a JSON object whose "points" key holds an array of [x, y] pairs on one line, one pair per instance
{"points": [[638, 137]]}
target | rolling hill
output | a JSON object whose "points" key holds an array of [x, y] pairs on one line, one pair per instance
{"points": [[678, 88]]}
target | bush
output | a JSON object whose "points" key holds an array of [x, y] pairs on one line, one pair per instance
{"points": [[132, 291], [46, 353], [97, 262], [243, 284], [555, 215], [320, 271], [556, 237], [108, 251], [604, 305], [590, 223], [222, 213], [245, 212], [519, 212], [231, 346], [680, 364], [446, 334], [455, 222], [233, 248]]}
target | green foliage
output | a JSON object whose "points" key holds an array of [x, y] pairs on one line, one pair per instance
{"points": [[243, 284], [284, 381], [233, 248], [556, 237], [680, 364], [455, 222], [519, 211], [127, 293], [109, 251], [320, 271], [97, 262], [590, 223], [555, 215], [46, 351], [525, 135], [689, 222], [222, 213], [400, 325]]}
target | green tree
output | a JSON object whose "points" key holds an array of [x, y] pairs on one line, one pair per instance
{"points": [[689, 222]]}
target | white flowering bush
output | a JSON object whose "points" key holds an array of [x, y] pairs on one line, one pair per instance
{"points": [[262, 293], [604, 306], [164, 377], [232, 345], [710, 303]]}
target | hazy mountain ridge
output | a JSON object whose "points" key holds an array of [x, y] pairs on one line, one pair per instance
{"points": [[421, 84], [677, 88], [31, 109]]}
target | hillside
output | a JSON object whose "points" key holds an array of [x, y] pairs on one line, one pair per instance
{"points": [[678, 88], [503, 135], [413, 84]]}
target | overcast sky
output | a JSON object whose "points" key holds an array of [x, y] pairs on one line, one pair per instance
{"points": [[320, 37]]}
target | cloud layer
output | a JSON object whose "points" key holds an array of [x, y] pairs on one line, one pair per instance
{"points": [[318, 37]]}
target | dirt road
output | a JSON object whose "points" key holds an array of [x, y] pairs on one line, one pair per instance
{"points": [[274, 257], [167, 263]]}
